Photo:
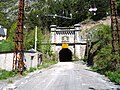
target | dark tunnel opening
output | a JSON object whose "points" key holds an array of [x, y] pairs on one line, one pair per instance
{"points": [[65, 55]]}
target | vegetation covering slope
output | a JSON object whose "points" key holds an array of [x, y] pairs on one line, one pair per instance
{"points": [[100, 55]]}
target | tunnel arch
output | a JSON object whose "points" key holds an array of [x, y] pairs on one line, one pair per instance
{"points": [[65, 55]]}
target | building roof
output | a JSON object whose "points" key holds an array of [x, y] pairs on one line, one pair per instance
{"points": [[33, 50], [2, 33]]}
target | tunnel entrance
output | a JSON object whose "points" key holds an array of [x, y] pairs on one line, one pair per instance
{"points": [[65, 55]]}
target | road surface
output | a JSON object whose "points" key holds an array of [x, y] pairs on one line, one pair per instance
{"points": [[64, 76]]}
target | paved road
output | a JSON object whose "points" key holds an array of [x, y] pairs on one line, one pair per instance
{"points": [[65, 76]]}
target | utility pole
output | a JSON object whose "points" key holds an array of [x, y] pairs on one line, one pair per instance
{"points": [[18, 63], [115, 28], [35, 47], [35, 39]]}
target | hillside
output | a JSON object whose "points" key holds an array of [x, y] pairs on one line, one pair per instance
{"points": [[88, 24]]}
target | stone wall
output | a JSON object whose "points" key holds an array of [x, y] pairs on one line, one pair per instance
{"points": [[6, 60]]}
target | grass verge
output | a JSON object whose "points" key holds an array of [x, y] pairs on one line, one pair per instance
{"points": [[45, 64], [113, 76], [8, 74]]}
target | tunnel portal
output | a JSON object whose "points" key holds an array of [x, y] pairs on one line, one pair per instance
{"points": [[65, 55]]}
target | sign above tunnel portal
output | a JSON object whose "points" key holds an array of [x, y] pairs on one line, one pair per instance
{"points": [[65, 39], [65, 45]]}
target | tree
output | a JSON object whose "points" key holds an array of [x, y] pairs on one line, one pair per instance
{"points": [[101, 37], [11, 32], [80, 10], [103, 6], [6, 12], [118, 7]]}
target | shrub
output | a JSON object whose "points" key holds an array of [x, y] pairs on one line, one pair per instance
{"points": [[104, 61], [113, 76], [6, 46]]}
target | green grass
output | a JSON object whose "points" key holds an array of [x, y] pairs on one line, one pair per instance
{"points": [[45, 64], [6, 74], [113, 76], [32, 69]]}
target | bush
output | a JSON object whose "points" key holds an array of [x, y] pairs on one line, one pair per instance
{"points": [[6, 46], [104, 61], [113, 76]]}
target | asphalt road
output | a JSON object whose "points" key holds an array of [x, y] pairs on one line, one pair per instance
{"points": [[64, 76]]}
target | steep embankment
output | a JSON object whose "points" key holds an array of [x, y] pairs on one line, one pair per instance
{"points": [[100, 55], [87, 24]]}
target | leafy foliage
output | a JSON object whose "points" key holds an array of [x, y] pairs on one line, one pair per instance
{"points": [[6, 46], [6, 13], [103, 7], [100, 38], [43, 41], [79, 9], [100, 54], [11, 32], [118, 7], [113, 76]]}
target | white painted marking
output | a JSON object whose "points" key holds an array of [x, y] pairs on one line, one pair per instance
{"points": [[49, 84]]}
